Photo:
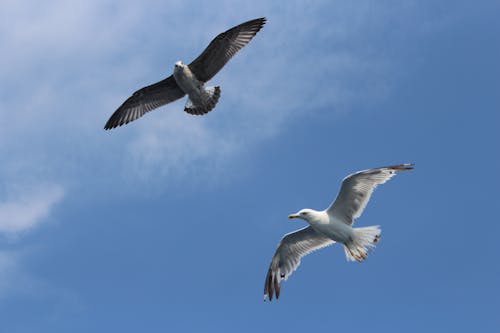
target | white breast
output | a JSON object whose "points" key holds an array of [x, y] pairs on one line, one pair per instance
{"points": [[186, 80], [336, 230]]}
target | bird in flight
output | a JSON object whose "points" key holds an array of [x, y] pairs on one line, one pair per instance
{"points": [[331, 225], [189, 79]]}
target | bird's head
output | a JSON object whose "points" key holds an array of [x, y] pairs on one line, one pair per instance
{"points": [[178, 65], [304, 214]]}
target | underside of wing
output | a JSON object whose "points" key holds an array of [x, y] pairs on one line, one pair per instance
{"points": [[145, 100], [357, 189], [224, 47], [286, 258]]}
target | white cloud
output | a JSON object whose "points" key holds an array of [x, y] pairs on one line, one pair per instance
{"points": [[68, 66], [25, 209], [177, 146], [278, 78]]}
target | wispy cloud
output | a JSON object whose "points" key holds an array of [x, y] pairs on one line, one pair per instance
{"points": [[263, 90], [177, 146], [23, 210], [68, 72]]}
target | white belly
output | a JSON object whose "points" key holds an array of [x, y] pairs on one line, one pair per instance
{"points": [[336, 230], [189, 84]]}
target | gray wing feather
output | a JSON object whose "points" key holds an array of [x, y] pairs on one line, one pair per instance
{"points": [[224, 47], [357, 189], [286, 258], [145, 100]]}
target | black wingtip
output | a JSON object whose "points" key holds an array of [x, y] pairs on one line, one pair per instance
{"points": [[272, 285], [401, 167], [113, 123], [110, 126], [405, 166], [268, 286], [258, 22], [276, 287], [262, 21]]}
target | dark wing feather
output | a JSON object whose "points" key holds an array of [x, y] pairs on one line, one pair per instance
{"points": [[145, 100], [224, 47]]}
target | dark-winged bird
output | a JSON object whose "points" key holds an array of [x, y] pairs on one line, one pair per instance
{"points": [[189, 79]]}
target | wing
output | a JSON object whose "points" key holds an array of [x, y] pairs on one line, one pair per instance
{"points": [[286, 258], [224, 47], [145, 100], [357, 189]]}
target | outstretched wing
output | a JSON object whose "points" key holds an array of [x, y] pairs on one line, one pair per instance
{"points": [[357, 189], [286, 258], [224, 47], [145, 100]]}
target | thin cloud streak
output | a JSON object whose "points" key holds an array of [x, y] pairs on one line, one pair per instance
{"points": [[23, 211], [262, 91], [88, 61]]}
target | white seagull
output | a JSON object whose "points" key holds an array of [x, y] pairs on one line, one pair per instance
{"points": [[189, 79], [331, 225]]}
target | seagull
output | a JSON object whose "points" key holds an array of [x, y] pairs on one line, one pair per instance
{"points": [[189, 79], [331, 225]]}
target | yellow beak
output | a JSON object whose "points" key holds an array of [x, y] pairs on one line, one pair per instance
{"points": [[292, 216]]}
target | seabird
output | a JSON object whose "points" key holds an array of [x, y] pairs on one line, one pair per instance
{"points": [[331, 225], [189, 79]]}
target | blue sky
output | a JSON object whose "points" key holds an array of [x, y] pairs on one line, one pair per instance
{"points": [[170, 222]]}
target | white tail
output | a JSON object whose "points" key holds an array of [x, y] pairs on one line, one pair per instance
{"points": [[363, 239], [210, 97]]}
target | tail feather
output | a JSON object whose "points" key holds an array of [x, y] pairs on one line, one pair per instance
{"points": [[363, 240], [210, 98]]}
